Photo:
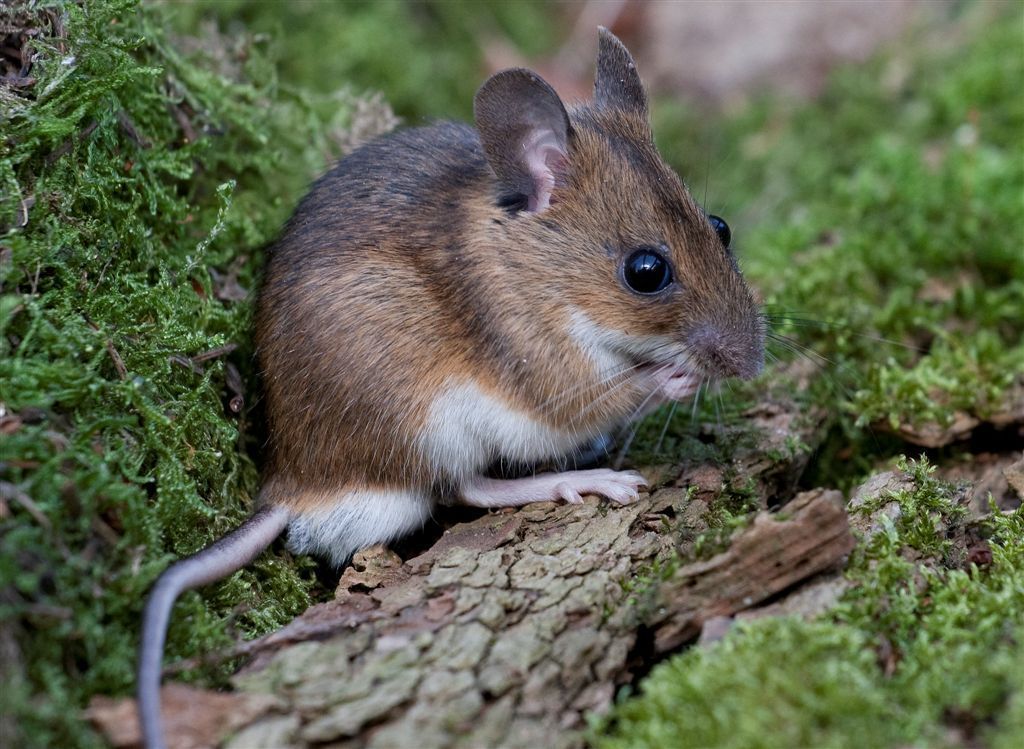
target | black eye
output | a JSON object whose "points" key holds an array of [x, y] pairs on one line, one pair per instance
{"points": [[646, 271], [721, 229]]}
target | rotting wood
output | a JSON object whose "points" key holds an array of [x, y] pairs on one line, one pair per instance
{"points": [[772, 555]]}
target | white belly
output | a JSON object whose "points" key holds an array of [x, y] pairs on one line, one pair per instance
{"points": [[468, 430]]}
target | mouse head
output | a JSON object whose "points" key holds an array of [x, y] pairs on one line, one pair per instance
{"points": [[600, 222]]}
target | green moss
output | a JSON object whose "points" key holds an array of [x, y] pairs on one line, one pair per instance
{"points": [[730, 511], [930, 504], [780, 683], [916, 649], [138, 187], [918, 244], [1010, 726]]}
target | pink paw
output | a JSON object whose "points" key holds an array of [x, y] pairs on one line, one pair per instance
{"points": [[619, 486]]}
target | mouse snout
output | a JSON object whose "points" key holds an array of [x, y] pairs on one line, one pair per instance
{"points": [[727, 353]]}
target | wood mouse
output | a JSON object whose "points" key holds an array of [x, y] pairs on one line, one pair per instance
{"points": [[446, 298]]}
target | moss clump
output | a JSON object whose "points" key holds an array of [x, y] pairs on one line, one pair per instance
{"points": [[780, 683], [913, 262], [139, 177]]}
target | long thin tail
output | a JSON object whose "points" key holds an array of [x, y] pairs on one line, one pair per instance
{"points": [[215, 562]]}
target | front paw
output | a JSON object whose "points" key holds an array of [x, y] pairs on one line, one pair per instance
{"points": [[618, 486]]}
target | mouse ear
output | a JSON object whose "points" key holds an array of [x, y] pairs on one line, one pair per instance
{"points": [[524, 130], [617, 84]]}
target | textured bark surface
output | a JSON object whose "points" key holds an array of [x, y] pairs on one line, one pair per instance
{"points": [[515, 624], [771, 556]]}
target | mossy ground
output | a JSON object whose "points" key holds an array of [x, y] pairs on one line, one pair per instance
{"points": [[921, 652], [141, 173]]}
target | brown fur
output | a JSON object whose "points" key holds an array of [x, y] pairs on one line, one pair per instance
{"points": [[411, 263]]}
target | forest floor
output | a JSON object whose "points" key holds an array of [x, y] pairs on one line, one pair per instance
{"points": [[791, 575]]}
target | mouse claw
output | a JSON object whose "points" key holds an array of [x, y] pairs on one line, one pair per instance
{"points": [[567, 494], [622, 495], [636, 477]]}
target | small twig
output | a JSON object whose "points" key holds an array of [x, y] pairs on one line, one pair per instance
{"points": [[25, 206], [10, 491], [184, 123], [18, 81], [57, 22], [234, 382], [214, 353], [35, 278], [131, 131], [48, 611], [184, 361], [67, 145], [122, 370], [103, 270], [104, 531]]}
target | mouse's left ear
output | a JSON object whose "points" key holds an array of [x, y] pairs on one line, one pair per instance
{"points": [[617, 83], [525, 130]]}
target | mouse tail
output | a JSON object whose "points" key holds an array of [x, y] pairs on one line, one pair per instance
{"points": [[220, 559]]}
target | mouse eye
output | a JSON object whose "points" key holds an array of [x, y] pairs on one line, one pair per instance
{"points": [[647, 271], [721, 229]]}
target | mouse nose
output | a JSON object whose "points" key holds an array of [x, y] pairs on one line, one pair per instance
{"points": [[728, 353]]}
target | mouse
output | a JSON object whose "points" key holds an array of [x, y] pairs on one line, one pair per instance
{"points": [[450, 297]]}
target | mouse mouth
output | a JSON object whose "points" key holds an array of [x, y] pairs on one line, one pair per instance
{"points": [[678, 384], [673, 382]]}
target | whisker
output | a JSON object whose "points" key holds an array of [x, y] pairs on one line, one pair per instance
{"points": [[664, 367], [818, 360], [696, 402], [557, 397], [639, 409], [664, 429], [774, 316], [557, 400], [798, 321], [798, 348], [624, 450], [599, 401]]}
